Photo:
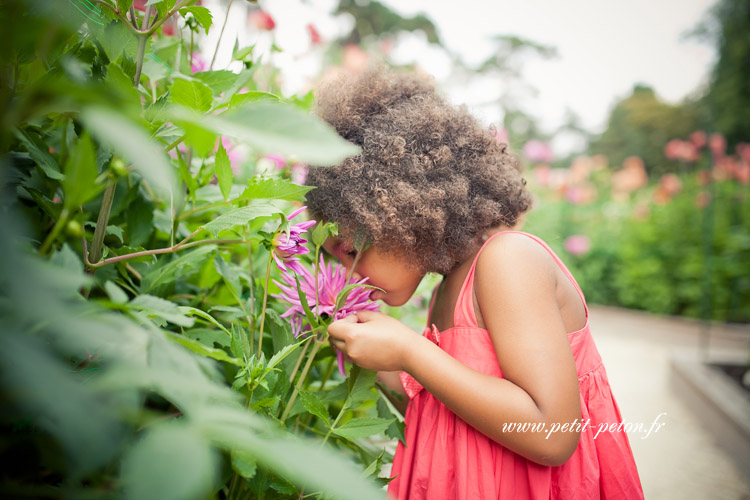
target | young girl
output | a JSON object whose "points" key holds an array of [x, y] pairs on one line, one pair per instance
{"points": [[507, 395]]}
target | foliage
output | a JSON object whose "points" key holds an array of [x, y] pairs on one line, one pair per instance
{"points": [[141, 354], [374, 19]]}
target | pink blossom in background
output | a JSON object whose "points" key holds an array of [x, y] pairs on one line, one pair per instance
{"points": [[236, 156], [278, 161], [698, 138], [743, 151], [671, 184], [630, 178], [681, 150], [542, 174], [577, 244], [501, 135], [198, 64], [315, 38], [717, 144], [355, 58], [538, 152], [331, 281], [287, 247], [299, 173], [261, 20], [743, 173]]}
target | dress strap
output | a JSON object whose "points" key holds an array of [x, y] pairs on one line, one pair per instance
{"points": [[464, 313]]}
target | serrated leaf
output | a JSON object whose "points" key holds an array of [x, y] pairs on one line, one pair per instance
{"points": [[319, 235], [358, 428], [156, 306], [250, 97], [374, 468], [201, 14], [191, 94], [132, 143], [80, 174], [220, 80], [208, 336], [360, 384], [204, 350], [183, 265], [263, 403], [192, 311], [283, 353], [120, 82], [201, 139], [315, 406], [116, 294], [240, 217], [276, 189], [223, 170], [123, 6], [277, 128], [39, 154], [243, 464]]}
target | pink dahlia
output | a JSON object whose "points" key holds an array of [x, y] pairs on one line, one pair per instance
{"points": [[331, 281], [288, 246]]}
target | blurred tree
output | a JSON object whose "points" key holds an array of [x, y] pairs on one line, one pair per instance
{"points": [[373, 19], [728, 98], [641, 124]]}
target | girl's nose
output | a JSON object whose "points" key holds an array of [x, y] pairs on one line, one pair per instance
{"points": [[356, 276]]}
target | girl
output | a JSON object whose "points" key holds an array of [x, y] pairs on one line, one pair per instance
{"points": [[506, 391]]}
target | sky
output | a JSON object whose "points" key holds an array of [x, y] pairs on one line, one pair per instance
{"points": [[604, 48]]}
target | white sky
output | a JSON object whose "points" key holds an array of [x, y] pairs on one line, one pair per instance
{"points": [[604, 48]]}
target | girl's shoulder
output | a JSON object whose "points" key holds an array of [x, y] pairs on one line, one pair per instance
{"points": [[515, 252]]}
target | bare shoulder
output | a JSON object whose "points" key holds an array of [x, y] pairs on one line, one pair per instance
{"points": [[515, 259]]}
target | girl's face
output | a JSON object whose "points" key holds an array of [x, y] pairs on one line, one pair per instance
{"points": [[390, 272]]}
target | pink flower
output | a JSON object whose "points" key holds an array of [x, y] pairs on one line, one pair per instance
{"points": [[198, 64], [538, 152], [315, 38], [681, 150], [262, 20], [698, 138], [743, 151], [287, 247], [501, 135], [671, 184], [278, 161], [717, 144], [577, 244], [299, 173], [331, 281]]}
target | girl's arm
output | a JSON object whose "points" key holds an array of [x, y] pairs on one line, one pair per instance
{"points": [[516, 292], [392, 382]]}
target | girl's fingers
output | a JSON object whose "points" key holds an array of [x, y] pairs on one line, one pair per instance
{"points": [[365, 316], [338, 328]]}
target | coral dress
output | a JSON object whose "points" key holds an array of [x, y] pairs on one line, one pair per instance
{"points": [[446, 458]]}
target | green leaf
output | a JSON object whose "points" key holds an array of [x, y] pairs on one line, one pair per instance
{"points": [[358, 428], [250, 97], [123, 6], [122, 84], [80, 174], [192, 311], [276, 189], [360, 384], [374, 468], [319, 234], [116, 39], [156, 306], [240, 217], [220, 81], [133, 144], [224, 171], [396, 429], [202, 15], [344, 293], [207, 336], [243, 464], [172, 462], [305, 305], [116, 294], [183, 265], [283, 353], [39, 153], [139, 219], [203, 349], [278, 128], [202, 140], [191, 94], [315, 406]]}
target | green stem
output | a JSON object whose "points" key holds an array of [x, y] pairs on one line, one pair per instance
{"points": [[328, 373], [299, 361], [297, 387], [101, 222], [265, 301], [333, 426], [221, 34], [317, 271], [55, 231]]}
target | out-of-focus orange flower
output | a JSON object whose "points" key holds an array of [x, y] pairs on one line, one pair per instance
{"points": [[717, 144], [671, 184], [315, 38], [630, 178], [355, 58], [261, 20], [681, 150], [698, 138], [581, 169], [599, 162], [743, 151], [581, 194], [743, 173]]}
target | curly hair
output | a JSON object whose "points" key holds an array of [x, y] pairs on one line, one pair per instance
{"points": [[429, 180]]}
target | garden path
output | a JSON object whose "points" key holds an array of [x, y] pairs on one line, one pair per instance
{"points": [[681, 460]]}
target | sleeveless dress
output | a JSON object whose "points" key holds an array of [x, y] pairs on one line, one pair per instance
{"points": [[446, 458]]}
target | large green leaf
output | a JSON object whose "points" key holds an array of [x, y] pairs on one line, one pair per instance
{"points": [[201, 14], [79, 183], [133, 144], [192, 94], [184, 265], [39, 154], [277, 128], [172, 462], [220, 81], [223, 170], [204, 350], [314, 405], [362, 427], [156, 306], [278, 189], [240, 217]]}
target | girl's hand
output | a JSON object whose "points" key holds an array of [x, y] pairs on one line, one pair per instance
{"points": [[373, 340]]}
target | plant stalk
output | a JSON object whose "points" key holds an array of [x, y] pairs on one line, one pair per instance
{"points": [[55, 231], [221, 34], [297, 387], [101, 222], [265, 301]]}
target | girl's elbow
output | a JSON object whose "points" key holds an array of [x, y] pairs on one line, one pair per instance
{"points": [[558, 452]]}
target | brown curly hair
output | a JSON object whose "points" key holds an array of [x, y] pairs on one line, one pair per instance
{"points": [[429, 180]]}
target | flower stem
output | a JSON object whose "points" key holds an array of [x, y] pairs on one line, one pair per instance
{"points": [[221, 34], [101, 222], [301, 379], [299, 361], [179, 246], [142, 39], [333, 426], [265, 301], [317, 271], [55, 231]]}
